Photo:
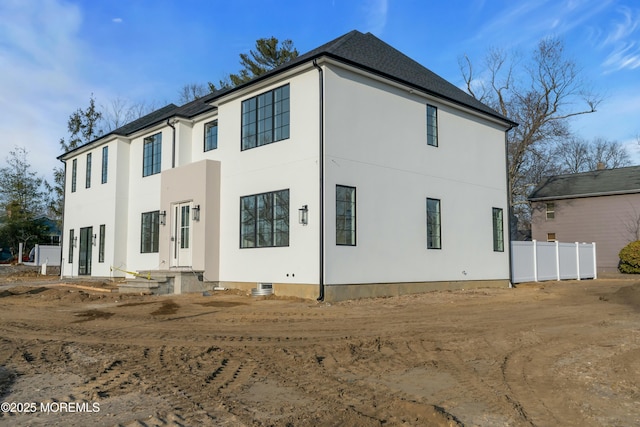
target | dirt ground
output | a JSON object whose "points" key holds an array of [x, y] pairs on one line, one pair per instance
{"points": [[547, 354]]}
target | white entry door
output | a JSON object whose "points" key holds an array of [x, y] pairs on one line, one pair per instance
{"points": [[182, 235]]}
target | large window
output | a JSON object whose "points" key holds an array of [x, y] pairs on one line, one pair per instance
{"points": [[150, 230], [211, 135], [101, 243], [88, 174], [498, 230], [264, 220], [152, 155], [345, 215], [72, 242], [74, 174], [432, 125], [265, 118], [434, 237], [105, 163]]}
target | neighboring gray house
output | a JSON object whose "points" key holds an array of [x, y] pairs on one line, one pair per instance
{"points": [[601, 206]]}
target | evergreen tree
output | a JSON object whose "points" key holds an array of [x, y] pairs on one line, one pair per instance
{"points": [[84, 127], [22, 200], [268, 54]]}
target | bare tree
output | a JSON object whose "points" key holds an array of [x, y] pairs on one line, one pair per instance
{"points": [[121, 111], [191, 92], [609, 154], [578, 155], [541, 94]]}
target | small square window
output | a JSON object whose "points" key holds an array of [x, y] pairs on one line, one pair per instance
{"points": [[551, 237]]}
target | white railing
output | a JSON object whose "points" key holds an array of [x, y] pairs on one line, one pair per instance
{"points": [[539, 261]]}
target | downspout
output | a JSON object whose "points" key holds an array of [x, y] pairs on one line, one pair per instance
{"points": [[173, 144], [321, 167], [64, 202], [509, 207]]}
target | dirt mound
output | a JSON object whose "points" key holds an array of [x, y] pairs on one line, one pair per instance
{"points": [[627, 295]]}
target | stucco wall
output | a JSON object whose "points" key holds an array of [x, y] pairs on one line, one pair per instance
{"points": [[376, 142]]}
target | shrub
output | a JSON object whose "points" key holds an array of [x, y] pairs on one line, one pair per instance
{"points": [[630, 258]]}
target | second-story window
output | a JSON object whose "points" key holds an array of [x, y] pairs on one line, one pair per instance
{"points": [[105, 163], [211, 135], [432, 125], [152, 155], [265, 118], [88, 176], [551, 210], [74, 174]]}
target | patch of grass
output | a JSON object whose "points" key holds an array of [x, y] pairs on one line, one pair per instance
{"points": [[92, 315]]}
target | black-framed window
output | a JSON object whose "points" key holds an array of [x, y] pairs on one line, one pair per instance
{"points": [[71, 243], [264, 220], [87, 183], [105, 164], [74, 174], [498, 230], [432, 125], [345, 215], [211, 135], [434, 234], [150, 230], [101, 243], [152, 155], [265, 118]]}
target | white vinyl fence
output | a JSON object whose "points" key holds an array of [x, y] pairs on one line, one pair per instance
{"points": [[539, 261]]}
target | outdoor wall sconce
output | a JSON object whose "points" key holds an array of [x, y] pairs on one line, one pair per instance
{"points": [[162, 216], [303, 215], [195, 213], [75, 242], [93, 241]]}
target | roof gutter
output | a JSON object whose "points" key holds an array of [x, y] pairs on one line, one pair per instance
{"points": [[321, 168], [583, 195]]}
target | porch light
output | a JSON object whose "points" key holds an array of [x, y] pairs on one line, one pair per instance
{"points": [[75, 241], [195, 213], [93, 241], [162, 216], [303, 215]]}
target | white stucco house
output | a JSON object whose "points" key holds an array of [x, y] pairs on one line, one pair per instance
{"points": [[350, 171]]}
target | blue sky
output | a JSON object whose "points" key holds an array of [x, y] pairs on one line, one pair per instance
{"points": [[55, 53]]}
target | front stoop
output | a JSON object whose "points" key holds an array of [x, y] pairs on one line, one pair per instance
{"points": [[162, 282]]}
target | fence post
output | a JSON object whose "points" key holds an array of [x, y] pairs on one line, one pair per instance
{"points": [[595, 267], [578, 259], [535, 260], [557, 260]]}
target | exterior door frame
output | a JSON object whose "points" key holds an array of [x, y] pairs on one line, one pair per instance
{"points": [[85, 251], [181, 234]]}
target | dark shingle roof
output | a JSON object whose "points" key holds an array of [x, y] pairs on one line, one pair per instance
{"points": [[368, 52], [594, 183], [364, 51], [150, 119]]}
